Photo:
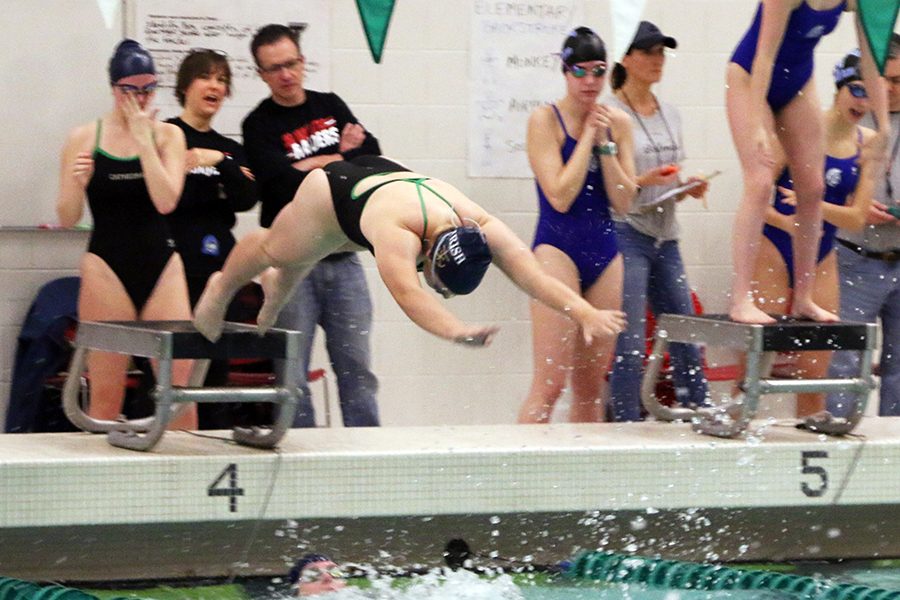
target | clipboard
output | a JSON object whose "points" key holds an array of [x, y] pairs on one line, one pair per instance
{"points": [[678, 190]]}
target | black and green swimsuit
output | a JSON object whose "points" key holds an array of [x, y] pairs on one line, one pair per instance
{"points": [[348, 206]]}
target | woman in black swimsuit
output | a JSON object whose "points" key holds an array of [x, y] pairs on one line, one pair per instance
{"points": [[409, 221], [130, 167]]}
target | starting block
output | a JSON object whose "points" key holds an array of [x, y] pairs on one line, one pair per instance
{"points": [[761, 343], [165, 341]]}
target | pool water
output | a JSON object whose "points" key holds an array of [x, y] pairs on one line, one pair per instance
{"points": [[465, 585]]}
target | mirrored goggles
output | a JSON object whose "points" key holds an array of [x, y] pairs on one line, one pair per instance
{"points": [[579, 72]]}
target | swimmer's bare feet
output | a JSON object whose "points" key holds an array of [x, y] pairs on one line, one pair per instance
{"points": [[814, 312], [276, 292], [747, 312], [209, 314]]}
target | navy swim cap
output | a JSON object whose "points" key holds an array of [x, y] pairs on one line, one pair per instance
{"points": [[582, 45], [847, 69], [305, 561], [130, 58], [459, 260]]}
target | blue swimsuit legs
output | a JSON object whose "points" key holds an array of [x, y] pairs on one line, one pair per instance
{"points": [[794, 61], [841, 177], [585, 233]]}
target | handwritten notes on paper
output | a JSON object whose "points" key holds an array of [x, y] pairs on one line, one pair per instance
{"points": [[171, 28], [514, 68]]}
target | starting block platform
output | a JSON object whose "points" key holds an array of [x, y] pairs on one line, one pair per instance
{"points": [[761, 343], [166, 341]]}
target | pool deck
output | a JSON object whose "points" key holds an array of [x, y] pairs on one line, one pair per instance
{"points": [[74, 507]]}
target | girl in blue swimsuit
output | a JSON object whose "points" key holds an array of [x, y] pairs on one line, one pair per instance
{"points": [[130, 168], [581, 153], [849, 185], [770, 94]]}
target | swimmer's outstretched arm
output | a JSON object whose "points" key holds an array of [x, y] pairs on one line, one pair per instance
{"points": [[514, 258], [396, 252]]}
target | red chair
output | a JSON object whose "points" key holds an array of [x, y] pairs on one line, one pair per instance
{"points": [[248, 372], [665, 387], [134, 381]]}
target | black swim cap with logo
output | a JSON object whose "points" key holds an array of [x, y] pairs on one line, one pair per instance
{"points": [[582, 45]]}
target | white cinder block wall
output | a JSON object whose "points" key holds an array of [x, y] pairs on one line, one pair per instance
{"points": [[415, 101]]}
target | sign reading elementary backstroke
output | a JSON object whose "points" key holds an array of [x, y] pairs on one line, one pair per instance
{"points": [[514, 68], [171, 28]]}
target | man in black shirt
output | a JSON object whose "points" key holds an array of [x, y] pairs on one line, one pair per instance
{"points": [[286, 136]]}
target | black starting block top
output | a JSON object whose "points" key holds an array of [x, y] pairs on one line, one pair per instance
{"points": [[151, 339], [785, 335]]}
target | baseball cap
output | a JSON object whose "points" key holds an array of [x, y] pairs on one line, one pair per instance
{"points": [[649, 35]]}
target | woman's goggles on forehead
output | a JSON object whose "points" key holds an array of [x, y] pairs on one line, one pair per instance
{"points": [[579, 72], [215, 51]]}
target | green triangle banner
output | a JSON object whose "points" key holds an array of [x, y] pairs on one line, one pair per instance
{"points": [[878, 18], [376, 16]]}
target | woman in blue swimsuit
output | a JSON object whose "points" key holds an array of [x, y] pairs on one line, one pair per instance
{"points": [[849, 184], [130, 168], [771, 95], [581, 153]]}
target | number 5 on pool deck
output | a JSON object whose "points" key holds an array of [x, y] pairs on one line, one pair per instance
{"points": [[226, 484], [814, 488]]}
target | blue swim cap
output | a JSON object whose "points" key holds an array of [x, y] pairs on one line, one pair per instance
{"points": [[847, 69], [459, 260], [582, 45], [305, 561], [130, 58]]}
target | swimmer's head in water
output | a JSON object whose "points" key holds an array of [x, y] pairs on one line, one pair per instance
{"points": [[130, 58], [847, 70], [459, 259], [582, 45], [303, 562]]}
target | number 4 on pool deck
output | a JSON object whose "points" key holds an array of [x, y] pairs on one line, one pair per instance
{"points": [[229, 488]]}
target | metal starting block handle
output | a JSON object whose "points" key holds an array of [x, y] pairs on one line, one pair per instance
{"points": [[166, 341], [761, 344]]}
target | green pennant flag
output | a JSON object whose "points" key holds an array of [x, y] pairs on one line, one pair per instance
{"points": [[376, 16], [878, 18]]}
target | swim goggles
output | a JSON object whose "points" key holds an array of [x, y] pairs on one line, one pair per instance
{"points": [[313, 574], [127, 88], [579, 72], [857, 90]]}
